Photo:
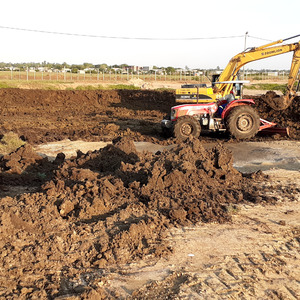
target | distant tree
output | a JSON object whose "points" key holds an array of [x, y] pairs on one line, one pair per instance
{"points": [[78, 67], [57, 66], [65, 65], [170, 70], [101, 67], [87, 65]]}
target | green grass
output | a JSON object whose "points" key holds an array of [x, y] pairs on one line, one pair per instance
{"points": [[33, 84], [5, 85], [123, 87], [163, 89], [10, 142], [110, 87], [268, 87], [87, 88]]}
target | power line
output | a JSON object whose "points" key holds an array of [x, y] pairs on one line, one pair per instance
{"points": [[258, 38], [120, 37]]}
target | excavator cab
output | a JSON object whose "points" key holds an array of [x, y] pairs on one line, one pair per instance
{"points": [[214, 79]]}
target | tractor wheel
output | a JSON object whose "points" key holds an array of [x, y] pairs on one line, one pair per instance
{"points": [[186, 126], [243, 122]]}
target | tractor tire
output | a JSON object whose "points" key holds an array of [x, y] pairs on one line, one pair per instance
{"points": [[243, 122], [187, 126]]}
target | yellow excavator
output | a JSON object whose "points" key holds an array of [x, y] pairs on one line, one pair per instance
{"points": [[223, 83]]}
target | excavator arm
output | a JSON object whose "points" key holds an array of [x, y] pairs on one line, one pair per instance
{"points": [[262, 52]]}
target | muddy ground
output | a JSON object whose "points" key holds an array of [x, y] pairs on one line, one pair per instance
{"points": [[118, 223], [41, 116]]}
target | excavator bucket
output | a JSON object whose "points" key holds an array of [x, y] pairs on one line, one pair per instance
{"points": [[277, 102]]}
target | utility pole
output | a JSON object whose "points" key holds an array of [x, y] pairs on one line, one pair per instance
{"points": [[245, 45]]}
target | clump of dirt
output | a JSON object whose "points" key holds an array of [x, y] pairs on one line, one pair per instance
{"points": [[275, 101], [288, 117], [111, 207], [24, 167]]}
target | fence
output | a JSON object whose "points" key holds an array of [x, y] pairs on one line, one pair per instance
{"points": [[118, 77], [100, 76]]}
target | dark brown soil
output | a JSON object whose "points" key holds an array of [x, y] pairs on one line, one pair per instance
{"points": [[106, 208], [289, 117], [43, 116], [99, 210]]}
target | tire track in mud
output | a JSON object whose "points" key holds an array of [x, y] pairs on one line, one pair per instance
{"points": [[265, 264], [257, 275]]}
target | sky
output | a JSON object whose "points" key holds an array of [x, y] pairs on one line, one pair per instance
{"points": [[184, 34]]}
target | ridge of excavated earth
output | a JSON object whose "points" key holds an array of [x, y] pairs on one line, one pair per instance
{"points": [[41, 116]]}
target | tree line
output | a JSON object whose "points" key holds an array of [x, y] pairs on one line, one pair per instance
{"points": [[101, 67], [58, 66]]}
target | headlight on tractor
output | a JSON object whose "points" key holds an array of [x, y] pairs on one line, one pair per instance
{"points": [[173, 114]]}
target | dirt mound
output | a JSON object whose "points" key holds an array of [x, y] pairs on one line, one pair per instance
{"points": [[111, 207], [24, 167], [16, 162], [284, 118], [172, 181]]}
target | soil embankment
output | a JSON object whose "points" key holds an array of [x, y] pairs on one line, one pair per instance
{"points": [[41, 116]]}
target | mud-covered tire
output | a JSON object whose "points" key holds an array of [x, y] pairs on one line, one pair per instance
{"points": [[243, 122], [186, 126], [166, 132]]}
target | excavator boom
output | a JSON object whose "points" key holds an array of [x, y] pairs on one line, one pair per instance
{"points": [[262, 52]]}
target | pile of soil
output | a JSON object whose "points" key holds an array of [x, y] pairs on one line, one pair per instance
{"points": [[288, 117], [24, 167], [111, 207]]}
